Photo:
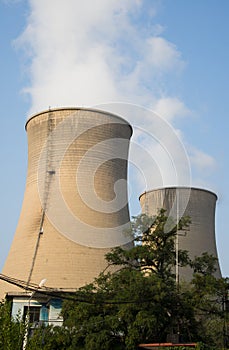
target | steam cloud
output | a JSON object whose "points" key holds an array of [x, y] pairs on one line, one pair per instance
{"points": [[90, 53], [84, 53]]}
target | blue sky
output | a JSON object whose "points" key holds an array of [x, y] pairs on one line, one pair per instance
{"points": [[170, 56]]}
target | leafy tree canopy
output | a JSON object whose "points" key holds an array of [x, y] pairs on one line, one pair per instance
{"points": [[136, 299]]}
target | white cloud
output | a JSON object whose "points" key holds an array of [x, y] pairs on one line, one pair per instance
{"points": [[170, 108], [84, 53], [201, 160], [162, 54]]}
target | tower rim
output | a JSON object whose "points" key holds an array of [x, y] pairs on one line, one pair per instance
{"points": [[178, 187], [87, 109]]}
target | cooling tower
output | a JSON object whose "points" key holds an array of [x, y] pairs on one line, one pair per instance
{"points": [[75, 204], [196, 203]]}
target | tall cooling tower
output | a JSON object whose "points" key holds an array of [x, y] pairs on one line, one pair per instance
{"points": [[196, 203], [75, 205]]}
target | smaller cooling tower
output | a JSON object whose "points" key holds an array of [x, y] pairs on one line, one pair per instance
{"points": [[75, 206], [200, 205]]}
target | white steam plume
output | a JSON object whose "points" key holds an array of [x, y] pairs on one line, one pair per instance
{"points": [[87, 53]]}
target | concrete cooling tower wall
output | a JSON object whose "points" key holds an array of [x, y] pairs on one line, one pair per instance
{"points": [[75, 204], [197, 203]]}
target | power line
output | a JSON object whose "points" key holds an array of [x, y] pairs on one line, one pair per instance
{"points": [[67, 295]]}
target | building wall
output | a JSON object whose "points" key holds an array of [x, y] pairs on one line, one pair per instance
{"points": [[49, 310]]}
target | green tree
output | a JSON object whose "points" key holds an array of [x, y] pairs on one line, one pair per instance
{"points": [[11, 331], [208, 295], [51, 338], [140, 302], [154, 251]]}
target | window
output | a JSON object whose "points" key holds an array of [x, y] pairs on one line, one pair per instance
{"points": [[34, 313]]}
